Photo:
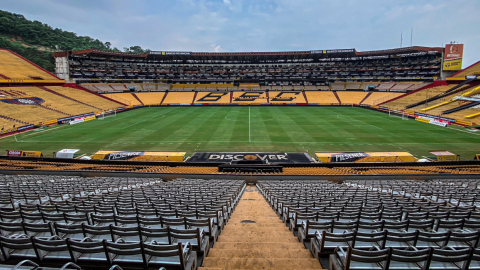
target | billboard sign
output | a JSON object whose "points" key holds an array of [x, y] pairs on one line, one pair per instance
{"points": [[227, 157], [453, 56]]}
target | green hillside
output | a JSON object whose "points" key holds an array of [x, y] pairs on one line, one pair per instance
{"points": [[36, 41]]}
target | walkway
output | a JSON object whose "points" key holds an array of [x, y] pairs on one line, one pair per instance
{"points": [[255, 238]]}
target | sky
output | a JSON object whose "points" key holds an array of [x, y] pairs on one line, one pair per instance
{"points": [[263, 25]]}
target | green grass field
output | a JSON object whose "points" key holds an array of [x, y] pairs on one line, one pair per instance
{"points": [[242, 128]]}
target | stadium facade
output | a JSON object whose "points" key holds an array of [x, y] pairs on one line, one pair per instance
{"points": [[315, 67]]}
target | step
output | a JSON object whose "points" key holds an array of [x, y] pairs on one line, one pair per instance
{"points": [[261, 263], [255, 245], [257, 222], [256, 227], [264, 238], [274, 218], [254, 233], [272, 252]]}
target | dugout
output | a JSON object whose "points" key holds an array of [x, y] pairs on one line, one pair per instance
{"points": [[444, 155]]}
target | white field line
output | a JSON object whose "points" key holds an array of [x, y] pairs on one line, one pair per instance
{"points": [[39, 132], [463, 131], [190, 141], [156, 115], [249, 137]]}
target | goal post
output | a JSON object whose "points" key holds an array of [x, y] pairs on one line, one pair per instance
{"points": [[397, 113]]}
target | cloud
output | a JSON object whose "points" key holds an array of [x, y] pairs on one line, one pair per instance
{"points": [[216, 48], [269, 25]]}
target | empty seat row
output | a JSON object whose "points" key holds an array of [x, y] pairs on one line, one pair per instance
{"points": [[93, 254], [405, 259]]}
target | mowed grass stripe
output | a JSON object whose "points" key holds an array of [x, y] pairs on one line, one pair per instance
{"points": [[279, 129]]}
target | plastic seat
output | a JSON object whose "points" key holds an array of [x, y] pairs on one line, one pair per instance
{"points": [[355, 259], [53, 249], [410, 259], [167, 256], [87, 252], [126, 254]]}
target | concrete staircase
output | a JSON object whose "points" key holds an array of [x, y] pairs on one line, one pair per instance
{"points": [[255, 238], [13, 120], [72, 99]]}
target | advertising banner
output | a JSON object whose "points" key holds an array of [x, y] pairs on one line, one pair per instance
{"points": [[438, 122], [66, 120], [327, 157], [50, 122], [76, 121], [452, 59], [25, 127], [428, 116], [18, 153], [169, 53], [139, 156], [14, 153], [227, 157]]}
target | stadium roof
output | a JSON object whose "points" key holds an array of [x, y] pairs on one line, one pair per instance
{"points": [[315, 54]]}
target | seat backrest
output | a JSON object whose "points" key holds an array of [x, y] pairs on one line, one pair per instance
{"points": [[458, 257], [401, 236], [345, 225], [119, 247], [66, 229], [435, 237], [34, 228], [174, 222], [77, 218], [154, 250], [371, 225], [125, 220], [96, 230], [421, 224], [7, 228], [121, 232], [381, 257], [471, 238], [102, 219], [16, 242], [449, 224], [373, 237], [52, 244], [187, 234], [85, 246], [395, 225], [412, 255]]}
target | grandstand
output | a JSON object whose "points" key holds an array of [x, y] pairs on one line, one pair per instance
{"points": [[179, 98], [351, 97], [153, 98], [376, 98], [15, 67], [213, 97], [127, 213], [84, 97], [125, 98], [280, 70], [31, 96], [471, 70], [322, 97]]}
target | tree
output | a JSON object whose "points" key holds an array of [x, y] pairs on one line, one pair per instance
{"points": [[16, 31]]}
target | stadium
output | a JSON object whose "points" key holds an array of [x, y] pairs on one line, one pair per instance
{"points": [[323, 159]]}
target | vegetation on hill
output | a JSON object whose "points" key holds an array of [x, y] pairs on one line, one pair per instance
{"points": [[36, 41]]}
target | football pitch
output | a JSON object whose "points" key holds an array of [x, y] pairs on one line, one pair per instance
{"points": [[243, 128]]}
